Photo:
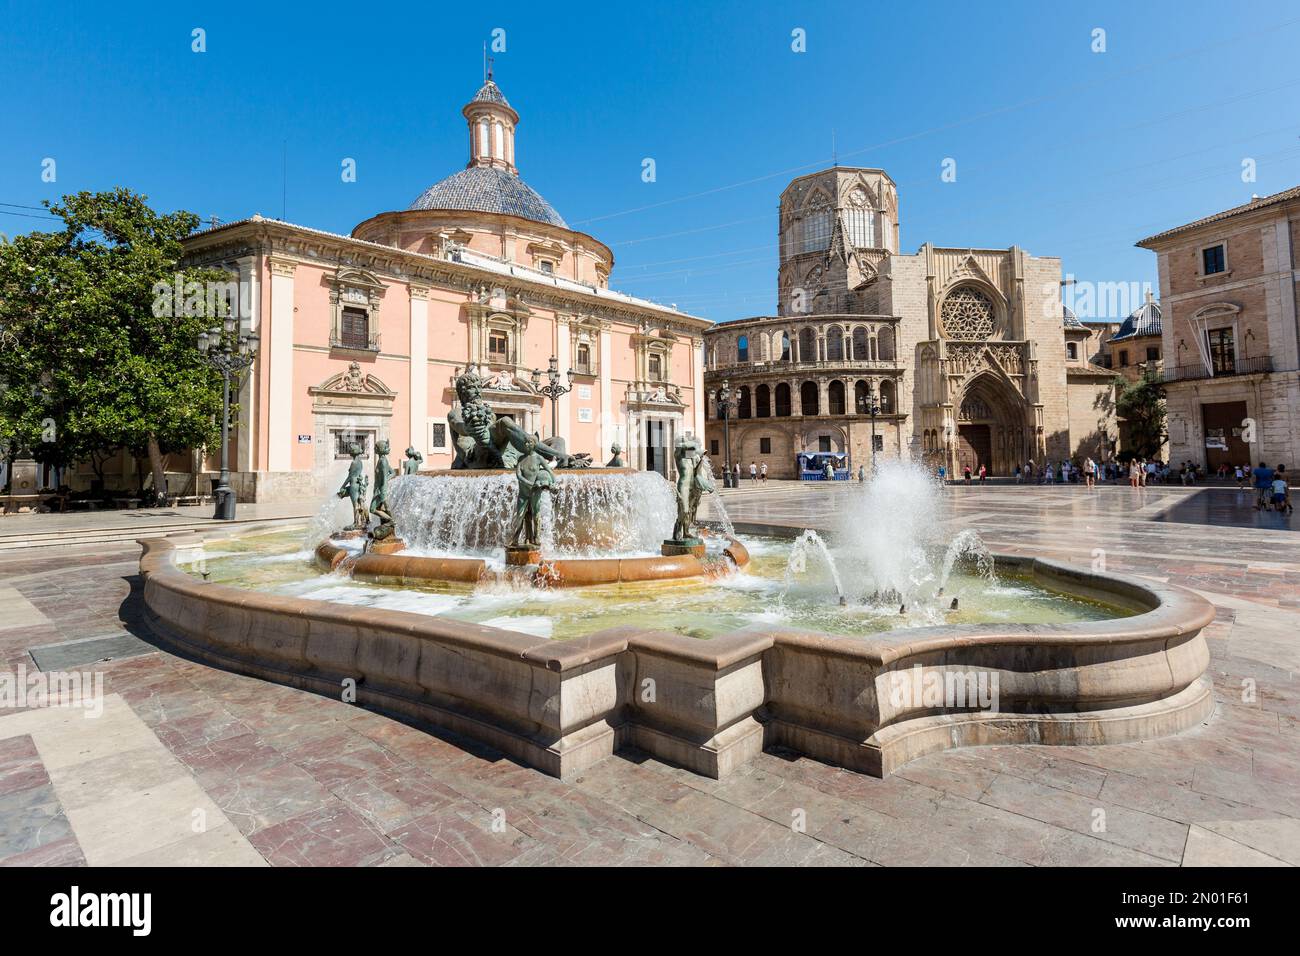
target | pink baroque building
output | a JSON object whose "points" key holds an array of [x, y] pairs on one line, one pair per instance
{"points": [[363, 335]]}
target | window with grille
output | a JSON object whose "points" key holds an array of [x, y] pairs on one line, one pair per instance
{"points": [[656, 368], [354, 330], [858, 222], [584, 358], [816, 230]]}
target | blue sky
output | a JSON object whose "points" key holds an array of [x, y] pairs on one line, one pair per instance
{"points": [[1060, 150]]}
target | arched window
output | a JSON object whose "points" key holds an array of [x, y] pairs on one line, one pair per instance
{"points": [[764, 398], [835, 344], [783, 400], [785, 346], [807, 345], [886, 397], [742, 403], [861, 352], [816, 230], [836, 397], [742, 349], [808, 398], [885, 345], [861, 406]]}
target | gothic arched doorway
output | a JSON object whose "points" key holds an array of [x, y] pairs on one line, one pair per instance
{"points": [[990, 427]]}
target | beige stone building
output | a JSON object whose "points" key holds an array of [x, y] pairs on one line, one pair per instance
{"points": [[1231, 348], [966, 352]]}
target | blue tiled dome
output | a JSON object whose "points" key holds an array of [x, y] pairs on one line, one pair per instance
{"points": [[487, 189], [1145, 320]]}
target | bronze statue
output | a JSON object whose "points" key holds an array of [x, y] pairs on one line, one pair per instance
{"points": [[379, 500], [534, 477], [616, 456], [694, 477], [413, 461], [354, 488], [485, 441]]}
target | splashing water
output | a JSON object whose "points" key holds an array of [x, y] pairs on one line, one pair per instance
{"points": [[967, 544], [798, 561], [724, 519], [895, 548], [334, 512], [597, 514]]}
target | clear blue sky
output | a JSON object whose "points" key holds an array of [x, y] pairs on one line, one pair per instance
{"points": [[1059, 149]]}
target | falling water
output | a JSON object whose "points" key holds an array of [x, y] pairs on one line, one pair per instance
{"points": [[798, 560], [894, 549], [333, 513], [966, 544], [724, 519], [597, 514]]}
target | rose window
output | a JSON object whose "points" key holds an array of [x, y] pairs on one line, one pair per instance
{"points": [[967, 314]]}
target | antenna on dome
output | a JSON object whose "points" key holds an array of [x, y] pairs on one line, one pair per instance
{"points": [[485, 68]]}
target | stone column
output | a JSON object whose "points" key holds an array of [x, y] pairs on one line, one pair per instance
{"points": [[279, 346], [418, 400]]}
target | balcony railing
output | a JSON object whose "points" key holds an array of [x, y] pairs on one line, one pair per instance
{"points": [[1184, 373], [838, 365], [367, 342]]}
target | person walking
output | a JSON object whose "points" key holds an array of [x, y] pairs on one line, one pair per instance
{"points": [[1020, 475], [966, 474], [1089, 473], [762, 472], [753, 473], [1263, 476], [983, 473], [943, 474], [1133, 473], [862, 473], [1241, 478]]}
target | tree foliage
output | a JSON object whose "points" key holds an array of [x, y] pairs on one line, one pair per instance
{"points": [[87, 365], [1141, 404]]}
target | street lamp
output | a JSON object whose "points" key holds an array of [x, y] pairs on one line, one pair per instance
{"points": [[553, 389], [873, 409], [725, 403], [229, 349]]}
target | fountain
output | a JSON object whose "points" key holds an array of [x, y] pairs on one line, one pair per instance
{"points": [[558, 611], [515, 508]]}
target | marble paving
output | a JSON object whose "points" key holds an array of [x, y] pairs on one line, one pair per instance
{"points": [[192, 766]]}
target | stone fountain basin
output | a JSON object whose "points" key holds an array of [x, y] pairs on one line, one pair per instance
{"points": [[711, 705]]}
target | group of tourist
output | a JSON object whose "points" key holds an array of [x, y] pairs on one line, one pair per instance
{"points": [[1272, 488]]}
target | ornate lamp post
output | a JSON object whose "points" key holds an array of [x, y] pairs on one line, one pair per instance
{"points": [[229, 349], [872, 409], [725, 402], [553, 389]]}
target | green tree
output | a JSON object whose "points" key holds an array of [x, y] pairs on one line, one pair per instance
{"points": [[1141, 404], [93, 359]]}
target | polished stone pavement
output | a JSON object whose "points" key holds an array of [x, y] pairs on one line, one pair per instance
{"points": [[193, 766]]}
